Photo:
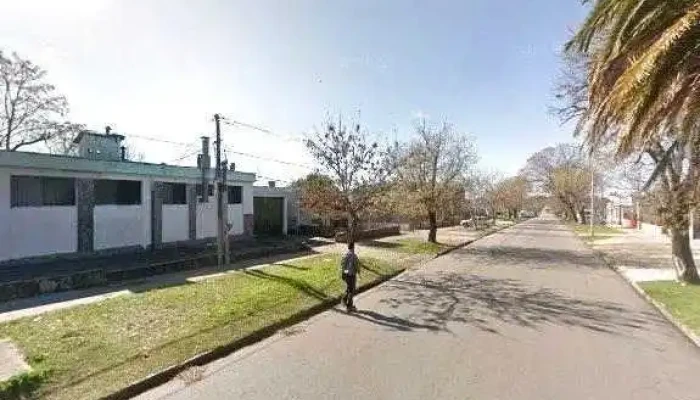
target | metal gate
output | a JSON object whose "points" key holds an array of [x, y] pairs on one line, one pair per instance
{"points": [[269, 215]]}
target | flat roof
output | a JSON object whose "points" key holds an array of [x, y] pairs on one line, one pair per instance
{"points": [[21, 159]]}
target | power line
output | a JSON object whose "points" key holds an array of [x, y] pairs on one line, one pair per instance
{"points": [[186, 154], [155, 139], [235, 123], [269, 178], [306, 166]]}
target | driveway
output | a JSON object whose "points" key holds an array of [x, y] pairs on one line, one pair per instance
{"points": [[528, 313]]}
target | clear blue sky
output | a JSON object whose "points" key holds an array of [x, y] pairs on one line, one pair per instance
{"points": [[163, 68]]}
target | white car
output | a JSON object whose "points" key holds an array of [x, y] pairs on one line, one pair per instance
{"points": [[527, 214], [468, 223]]}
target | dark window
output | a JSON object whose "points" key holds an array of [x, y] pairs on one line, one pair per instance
{"points": [[235, 195], [174, 193], [199, 191], [36, 191], [109, 191]]}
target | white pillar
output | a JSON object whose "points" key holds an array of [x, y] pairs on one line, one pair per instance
{"points": [[5, 251], [284, 216], [146, 186]]}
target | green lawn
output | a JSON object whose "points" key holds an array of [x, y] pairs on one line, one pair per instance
{"points": [[683, 302], [417, 246], [89, 351], [600, 232]]}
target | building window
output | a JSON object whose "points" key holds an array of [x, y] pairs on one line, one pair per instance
{"points": [[174, 193], [199, 191], [235, 195], [37, 191], [117, 192]]}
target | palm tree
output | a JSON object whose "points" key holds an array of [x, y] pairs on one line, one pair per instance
{"points": [[644, 96]]}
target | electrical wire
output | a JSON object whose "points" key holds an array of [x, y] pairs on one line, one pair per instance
{"points": [[188, 153], [235, 123], [240, 153], [269, 178], [155, 139]]}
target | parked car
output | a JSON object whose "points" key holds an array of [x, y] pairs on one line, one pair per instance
{"points": [[527, 214], [469, 223]]}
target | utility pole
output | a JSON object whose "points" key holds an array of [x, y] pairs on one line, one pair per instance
{"points": [[227, 226], [219, 197], [204, 163]]}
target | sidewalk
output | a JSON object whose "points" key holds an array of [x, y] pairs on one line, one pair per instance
{"points": [[641, 256], [34, 306]]}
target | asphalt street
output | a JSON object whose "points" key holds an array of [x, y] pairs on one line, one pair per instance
{"points": [[528, 313]]}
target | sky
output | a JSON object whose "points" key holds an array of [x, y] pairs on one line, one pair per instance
{"points": [[162, 68]]}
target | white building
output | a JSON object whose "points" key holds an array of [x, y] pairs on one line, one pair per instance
{"points": [[59, 204]]}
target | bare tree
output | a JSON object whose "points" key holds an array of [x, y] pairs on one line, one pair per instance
{"points": [[63, 142], [32, 109], [571, 88], [356, 166], [431, 165], [557, 171], [482, 191]]}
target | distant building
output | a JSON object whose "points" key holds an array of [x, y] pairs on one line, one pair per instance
{"points": [[98, 200]]}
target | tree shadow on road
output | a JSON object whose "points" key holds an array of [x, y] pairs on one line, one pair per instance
{"points": [[531, 256], [543, 225], [487, 303]]}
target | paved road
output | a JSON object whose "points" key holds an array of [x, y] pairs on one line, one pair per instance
{"points": [[528, 313]]}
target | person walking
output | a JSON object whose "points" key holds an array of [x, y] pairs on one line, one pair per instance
{"points": [[350, 267]]}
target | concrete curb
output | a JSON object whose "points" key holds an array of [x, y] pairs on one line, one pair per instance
{"points": [[167, 374], [687, 332], [662, 309]]}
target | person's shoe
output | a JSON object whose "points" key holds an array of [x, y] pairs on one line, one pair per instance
{"points": [[352, 308]]}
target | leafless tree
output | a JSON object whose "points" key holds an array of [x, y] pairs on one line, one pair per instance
{"points": [[431, 165], [571, 88], [355, 164], [482, 193], [557, 171], [32, 110]]}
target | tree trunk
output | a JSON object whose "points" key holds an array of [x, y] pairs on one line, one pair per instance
{"points": [[683, 256], [432, 235], [352, 227], [573, 213], [582, 216]]}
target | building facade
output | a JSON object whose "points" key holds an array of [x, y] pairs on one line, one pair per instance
{"points": [[98, 201]]}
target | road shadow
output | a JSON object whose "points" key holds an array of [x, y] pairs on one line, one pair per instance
{"points": [[539, 233], [487, 303], [531, 257], [543, 225], [391, 322]]}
